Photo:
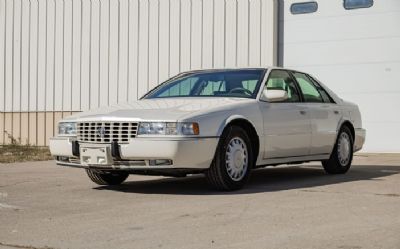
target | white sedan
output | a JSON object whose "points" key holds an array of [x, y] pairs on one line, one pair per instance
{"points": [[223, 123]]}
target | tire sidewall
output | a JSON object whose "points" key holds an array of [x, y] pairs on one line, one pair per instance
{"points": [[229, 133], [105, 178], [346, 130]]}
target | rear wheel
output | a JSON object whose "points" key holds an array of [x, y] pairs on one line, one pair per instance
{"points": [[342, 154], [107, 178], [233, 160]]}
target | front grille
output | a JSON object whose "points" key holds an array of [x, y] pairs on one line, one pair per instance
{"points": [[106, 132]]}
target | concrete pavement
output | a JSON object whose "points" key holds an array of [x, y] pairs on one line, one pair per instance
{"points": [[47, 206]]}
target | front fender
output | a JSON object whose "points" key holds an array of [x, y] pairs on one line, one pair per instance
{"points": [[229, 119]]}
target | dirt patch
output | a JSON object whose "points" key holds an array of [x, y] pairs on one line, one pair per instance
{"points": [[22, 153]]}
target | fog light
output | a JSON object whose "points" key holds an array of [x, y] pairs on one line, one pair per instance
{"points": [[62, 158]]}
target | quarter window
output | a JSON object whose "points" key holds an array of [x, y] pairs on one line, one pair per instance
{"points": [[357, 4], [310, 92], [281, 80], [303, 8]]}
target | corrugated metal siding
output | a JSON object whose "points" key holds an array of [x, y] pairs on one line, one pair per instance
{"points": [[33, 128], [72, 55]]}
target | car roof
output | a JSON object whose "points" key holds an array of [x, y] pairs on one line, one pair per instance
{"points": [[237, 69], [223, 69]]}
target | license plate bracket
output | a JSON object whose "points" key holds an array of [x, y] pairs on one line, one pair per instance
{"points": [[96, 155]]}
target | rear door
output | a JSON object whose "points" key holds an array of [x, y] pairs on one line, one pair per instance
{"points": [[287, 127], [324, 113]]}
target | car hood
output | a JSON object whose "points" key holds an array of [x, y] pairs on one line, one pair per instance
{"points": [[168, 109]]}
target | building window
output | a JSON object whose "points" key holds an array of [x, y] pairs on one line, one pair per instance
{"points": [[303, 8], [357, 4]]}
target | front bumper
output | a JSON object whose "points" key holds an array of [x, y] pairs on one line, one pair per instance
{"points": [[140, 153], [359, 139]]}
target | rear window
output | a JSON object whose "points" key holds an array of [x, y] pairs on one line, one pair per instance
{"points": [[303, 8]]}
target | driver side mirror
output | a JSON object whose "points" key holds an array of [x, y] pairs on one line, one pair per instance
{"points": [[274, 95]]}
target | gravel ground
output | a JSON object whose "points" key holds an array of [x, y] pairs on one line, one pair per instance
{"points": [[47, 206]]}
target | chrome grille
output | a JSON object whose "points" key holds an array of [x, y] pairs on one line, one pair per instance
{"points": [[106, 132]]}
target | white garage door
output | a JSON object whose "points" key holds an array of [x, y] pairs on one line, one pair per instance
{"points": [[356, 52]]}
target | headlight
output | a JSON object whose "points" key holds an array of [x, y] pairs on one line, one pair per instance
{"points": [[67, 128], [152, 128], [168, 128]]}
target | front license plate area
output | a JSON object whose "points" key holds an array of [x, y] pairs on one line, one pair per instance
{"points": [[95, 156]]}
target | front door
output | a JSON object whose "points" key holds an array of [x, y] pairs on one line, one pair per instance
{"points": [[287, 128]]}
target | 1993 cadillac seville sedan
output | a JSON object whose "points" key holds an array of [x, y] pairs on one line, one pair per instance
{"points": [[222, 123]]}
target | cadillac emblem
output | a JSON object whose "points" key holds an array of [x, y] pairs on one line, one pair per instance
{"points": [[101, 132]]}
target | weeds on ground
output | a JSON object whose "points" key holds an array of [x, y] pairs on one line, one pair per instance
{"points": [[18, 152]]}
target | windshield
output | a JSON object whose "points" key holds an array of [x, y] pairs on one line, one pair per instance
{"points": [[231, 83]]}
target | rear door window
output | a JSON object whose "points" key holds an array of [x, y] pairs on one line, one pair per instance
{"points": [[308, 89], [322, 91]]}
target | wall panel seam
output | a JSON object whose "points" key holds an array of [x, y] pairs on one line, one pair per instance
{"points": [[45, 59], [63, 59], [12, 71], [108, 52], [54, 54], [118, 47], [80, 58], [128, 52], [5, 71], [90, 53], [20, 57], [98, 90], [72, 53]]}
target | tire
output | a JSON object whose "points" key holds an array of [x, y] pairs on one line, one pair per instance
{"points": [[233, 160], [109, 178], [342, 154]]}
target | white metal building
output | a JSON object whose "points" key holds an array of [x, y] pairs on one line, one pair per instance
{"points": [[63, 56], [356, 52]]}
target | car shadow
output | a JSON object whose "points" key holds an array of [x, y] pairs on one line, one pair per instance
{"points": [[261, 180]]}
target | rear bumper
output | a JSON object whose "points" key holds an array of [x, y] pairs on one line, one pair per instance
{"points": [[359, 139], [141, 153]]}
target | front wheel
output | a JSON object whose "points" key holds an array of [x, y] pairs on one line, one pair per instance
{"points": [[342, 154], [233, 160], [107, 178]]}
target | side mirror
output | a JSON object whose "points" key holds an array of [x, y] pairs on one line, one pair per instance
{"points": [[274, 95]]}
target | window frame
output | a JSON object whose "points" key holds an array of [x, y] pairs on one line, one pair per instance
{"points": [[300, 3], [354, 8], [319, 88]]}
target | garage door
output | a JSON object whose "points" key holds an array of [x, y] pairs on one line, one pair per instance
{"points": [[354, 47]]}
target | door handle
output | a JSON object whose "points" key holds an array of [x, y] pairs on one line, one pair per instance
{"points": [[336, 112], [302, 112]]}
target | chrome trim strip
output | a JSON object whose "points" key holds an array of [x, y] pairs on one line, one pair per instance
{"points": [[121, 166]]}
